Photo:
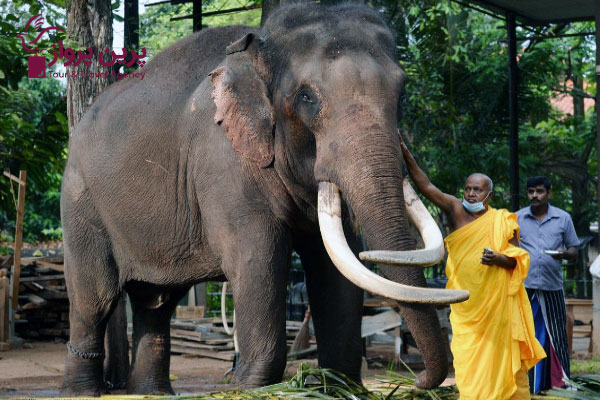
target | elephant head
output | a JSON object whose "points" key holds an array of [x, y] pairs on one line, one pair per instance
{"points": [[315, 96]]}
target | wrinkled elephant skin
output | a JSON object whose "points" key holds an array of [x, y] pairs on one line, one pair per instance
{"points": [[208, 169]]}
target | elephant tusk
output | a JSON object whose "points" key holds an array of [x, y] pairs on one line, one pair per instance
{"points": [[330, 223], [428, 229]]}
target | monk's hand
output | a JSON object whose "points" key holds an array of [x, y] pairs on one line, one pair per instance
{"points": [[489, 257]]}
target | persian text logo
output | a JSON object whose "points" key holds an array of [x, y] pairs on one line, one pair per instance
{"points": [[36, 63], [106, 58]]}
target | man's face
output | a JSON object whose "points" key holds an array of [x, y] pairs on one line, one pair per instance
{"points": [[476, 190], [538, 196]]}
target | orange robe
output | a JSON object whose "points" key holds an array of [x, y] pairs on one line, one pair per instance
{"points": [[493, 337]]}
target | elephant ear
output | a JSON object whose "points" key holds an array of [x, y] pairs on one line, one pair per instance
{"points": [[243, 105]]}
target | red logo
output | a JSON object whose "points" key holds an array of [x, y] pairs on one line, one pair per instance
{"points": [[37, 63], [106, 58]]}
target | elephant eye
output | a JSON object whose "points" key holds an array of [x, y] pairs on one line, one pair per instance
{"points": [[307, 104]]}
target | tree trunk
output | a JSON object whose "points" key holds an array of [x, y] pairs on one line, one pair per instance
{"points": [[89, 24]]}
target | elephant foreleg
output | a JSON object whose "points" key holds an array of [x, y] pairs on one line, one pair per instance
{"points": [[336, 307], [257, 271]]}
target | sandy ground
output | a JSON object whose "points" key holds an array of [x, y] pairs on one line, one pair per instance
{"points": [[36, 371]]}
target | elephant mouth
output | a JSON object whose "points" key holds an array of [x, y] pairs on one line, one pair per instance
{"points": [[330, 223]]}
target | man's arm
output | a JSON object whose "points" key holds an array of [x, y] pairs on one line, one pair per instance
{"points": [[435, 195], [571, 241], [500, 260], [570, 254]]}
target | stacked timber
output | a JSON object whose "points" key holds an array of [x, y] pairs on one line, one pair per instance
{"points": [[43, 311], [206, 337], [201, 337]]}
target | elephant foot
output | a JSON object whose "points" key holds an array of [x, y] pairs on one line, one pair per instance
{"points": [[427, 380], [82, 378], [149, 387], [71, 391], [258, 373], [116, 377]]}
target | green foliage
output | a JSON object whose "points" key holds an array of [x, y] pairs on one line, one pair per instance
{"points": [[588, 388], [579, 367], [33, 126], [157, 31], [455, 112]]}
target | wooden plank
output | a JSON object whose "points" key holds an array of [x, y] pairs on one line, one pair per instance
{"points": [[4, 310], [53, 294], [26, 261], [182, 334], [380, 322], [189, 312], [42, 278], [7, 261], [35, 299], [379, 302], [196, 345], [219, 355], [53, 266], [14, 178], [582, 330], [18, 239], [218, 341]]}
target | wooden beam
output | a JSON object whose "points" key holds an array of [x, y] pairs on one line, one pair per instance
{"points": [[4, 309], [18, 239], [513, 111]]}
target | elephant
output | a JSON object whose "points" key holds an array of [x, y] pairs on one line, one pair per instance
{"points": [[239, 146]]}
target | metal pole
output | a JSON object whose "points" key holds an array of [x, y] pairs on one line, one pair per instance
{"points": [[513, 110], [132, 25], [595, 337], [197, 15]]}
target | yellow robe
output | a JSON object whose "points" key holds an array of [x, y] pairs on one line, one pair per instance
{"points": [[493, 335]]}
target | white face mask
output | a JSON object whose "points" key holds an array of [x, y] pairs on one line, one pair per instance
{"points": [[474, 207]]}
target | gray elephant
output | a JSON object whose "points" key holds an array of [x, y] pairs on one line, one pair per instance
{"points": [[224, 158]]}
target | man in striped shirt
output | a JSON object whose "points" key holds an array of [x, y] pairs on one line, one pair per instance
{"points": [[547, 233]]}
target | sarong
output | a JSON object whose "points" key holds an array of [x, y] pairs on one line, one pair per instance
{"points": [[493, 336], [549, 316]]}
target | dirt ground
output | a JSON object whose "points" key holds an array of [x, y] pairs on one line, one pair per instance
{"points": [[36, 371]]}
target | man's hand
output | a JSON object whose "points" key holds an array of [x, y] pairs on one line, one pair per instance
{"points": [[569, 254], [448, 204], [490, 257]]}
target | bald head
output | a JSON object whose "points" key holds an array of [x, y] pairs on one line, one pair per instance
{"points": [[477, 176]]}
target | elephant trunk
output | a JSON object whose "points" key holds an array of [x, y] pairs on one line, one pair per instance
{"points": [[371, 183]]}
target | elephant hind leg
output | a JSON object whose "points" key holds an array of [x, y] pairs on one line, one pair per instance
{"points": [[91, 304], [116, 363], [151, 355]]}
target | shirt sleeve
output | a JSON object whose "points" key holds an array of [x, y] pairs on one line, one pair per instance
{"points": [[570, 237]]}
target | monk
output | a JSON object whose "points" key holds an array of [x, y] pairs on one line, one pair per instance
{"points": [[493, 336]]}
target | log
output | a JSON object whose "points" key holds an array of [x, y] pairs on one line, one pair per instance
{"points": [[4, 309], [42, 278], [380, 322], [182, 334], [196, 345], [189, 312], [53, 266], [219, 355]]}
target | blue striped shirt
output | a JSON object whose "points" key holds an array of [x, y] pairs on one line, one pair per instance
{"points": [[554, 231]]}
